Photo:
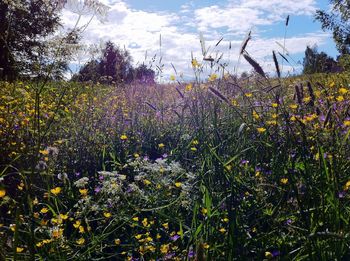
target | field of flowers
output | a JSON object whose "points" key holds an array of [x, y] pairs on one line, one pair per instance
{"points": [[228, 169]]}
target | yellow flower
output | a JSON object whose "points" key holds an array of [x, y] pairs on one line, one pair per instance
{"points": [[44, 152], [135, 219], [212, 77], [248, 94], [146, 182], [39, 244], [293, 106], [77, 224], [145, 222], [138, 236], [81, 229], [204, 211], [226, 220], [284, 181], [161, 145], [255, 115], [346, 123], [206, 245], [188, 87], [2, 193], [222, 230], [166, 225], [44, 210], [343, 91], [194, 63], [57, 233], [81, 241], [64, 216], [164, 248], [307, 99], [178, 184], [107, 214], [340, 98], [56, 191], [261, 130], [172, 77], [123, 137], [83, 192], [268, 255], [117, 242], [19, 249], [347, 185], [274, 105], [193, 149], [13, 227]]}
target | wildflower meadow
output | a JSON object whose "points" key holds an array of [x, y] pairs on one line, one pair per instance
{"points": [[215, 167]]}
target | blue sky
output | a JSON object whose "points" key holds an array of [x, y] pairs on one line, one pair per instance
{"points": [[137, 25]]}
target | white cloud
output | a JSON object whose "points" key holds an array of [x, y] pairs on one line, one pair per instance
{"points": [[139, 31]]}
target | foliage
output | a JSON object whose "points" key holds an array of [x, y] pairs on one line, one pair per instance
{"points": [[315, 62], [114, 66], [23, 25], [338, 22]]}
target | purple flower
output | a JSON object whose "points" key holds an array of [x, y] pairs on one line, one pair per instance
{"points": [[175, 237], [97, 189], [341, 194]]}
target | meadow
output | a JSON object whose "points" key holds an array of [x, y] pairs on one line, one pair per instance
{"points": [[219, 169]]}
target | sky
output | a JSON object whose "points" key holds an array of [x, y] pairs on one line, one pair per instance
{"points": [[171, 30]]}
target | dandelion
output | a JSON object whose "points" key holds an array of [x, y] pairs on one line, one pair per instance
{"points": [[2, 193], [56, 191]]}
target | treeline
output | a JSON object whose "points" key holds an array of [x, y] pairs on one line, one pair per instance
{"points": [[114, 66]]}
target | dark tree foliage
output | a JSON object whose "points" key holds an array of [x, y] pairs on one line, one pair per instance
{"points": [[315, 62], [23, 25], [114, 66], [338, 22]]}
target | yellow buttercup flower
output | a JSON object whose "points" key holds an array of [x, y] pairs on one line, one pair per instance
{"points": [[19, 249], [284, 181], [56, 191], [81, 241], [178, 184], [2, 193], [261, 130], [123, 137], [107, 214], [44, 210]]}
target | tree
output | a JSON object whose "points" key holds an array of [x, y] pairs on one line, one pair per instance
{"points": [[338, 21], [23, 25], [114, 66], [315, 62]]}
